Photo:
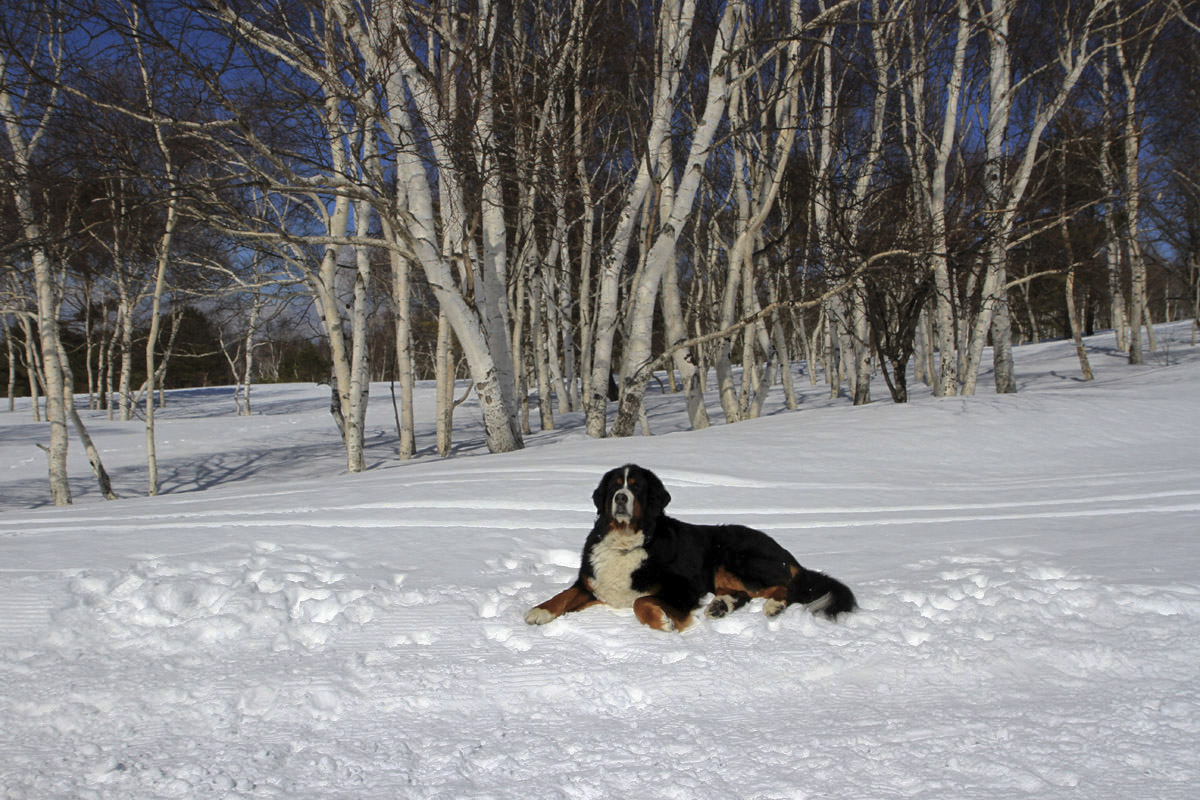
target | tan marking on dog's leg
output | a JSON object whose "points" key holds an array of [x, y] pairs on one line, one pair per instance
{"points": [[570, 599], [725, 582], [654, 614]]}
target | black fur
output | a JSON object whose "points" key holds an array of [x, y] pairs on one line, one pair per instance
{"points": [[685, 562]]}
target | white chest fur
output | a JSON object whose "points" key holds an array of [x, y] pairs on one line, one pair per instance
{"points": [[614, 560]]}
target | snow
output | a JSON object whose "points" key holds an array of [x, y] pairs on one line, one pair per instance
{"points": [[272, 627]]}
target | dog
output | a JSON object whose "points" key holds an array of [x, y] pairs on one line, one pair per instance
{"points": [[638, 557]]}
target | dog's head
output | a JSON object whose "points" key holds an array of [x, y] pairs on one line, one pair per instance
{"points": [[630, 495]]}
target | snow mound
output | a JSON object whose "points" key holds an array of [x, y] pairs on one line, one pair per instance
{"points": [[268, 598]]}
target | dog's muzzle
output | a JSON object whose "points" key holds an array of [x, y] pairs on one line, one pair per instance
{"points": [[622, 505]]}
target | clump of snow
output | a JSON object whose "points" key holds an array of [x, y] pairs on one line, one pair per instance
{"points": [[264, 599], [273, 628]]}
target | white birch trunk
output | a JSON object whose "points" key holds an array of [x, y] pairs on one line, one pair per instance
{"points": [[404, 357], [588, 221], [1004, 193], [12, 364], [248, 355], [22, 146], [822, 199], [445, 386], [160, 277], [946, 382], [494, 310], [1131, 75], [89, 447], [674, 31], [537, 331], [33, 364], [662, 254], [1112, 250], [553, 307], [162, 259], [125, 382], [360, 386], [435, 247], [676, 330]]}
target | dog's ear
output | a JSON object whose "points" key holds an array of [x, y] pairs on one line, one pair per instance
{"points": [[657, 496], [600, 496]]}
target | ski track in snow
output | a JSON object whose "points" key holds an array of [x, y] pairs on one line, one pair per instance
{"points": [[1030, 632]]}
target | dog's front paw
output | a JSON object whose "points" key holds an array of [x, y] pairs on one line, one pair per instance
{"points": [[538, 616]]}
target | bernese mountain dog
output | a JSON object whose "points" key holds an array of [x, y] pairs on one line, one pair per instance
{"points": [[637, 557]]}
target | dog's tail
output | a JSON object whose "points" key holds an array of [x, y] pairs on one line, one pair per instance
{"points": [[821, 594]]}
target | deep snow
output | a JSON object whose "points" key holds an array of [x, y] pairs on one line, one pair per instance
{"points": [[1027, 566]]}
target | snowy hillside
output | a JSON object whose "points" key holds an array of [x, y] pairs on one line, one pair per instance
{"points": [[1028, 569]]}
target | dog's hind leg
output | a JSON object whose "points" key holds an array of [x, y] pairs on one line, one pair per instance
{"points": [[777, 601], [653, 612]]}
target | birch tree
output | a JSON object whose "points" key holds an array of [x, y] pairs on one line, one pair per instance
{"points": [[661, 255], [1133, 51], [26, 118], [1008, 164], [409, 101], [10, 352], [933, 92], [673, 35], [162, 256], [1118, 315], [760, 165]]}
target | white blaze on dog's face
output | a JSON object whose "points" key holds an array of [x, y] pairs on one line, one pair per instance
{"points": [[623, 501]]}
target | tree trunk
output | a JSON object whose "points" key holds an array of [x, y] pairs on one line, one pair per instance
{"points": [[676, 331], [674, 31], [1005, 192], [93, 454], [125, 383], [33, 364], [662, 254], [160, 277], [537, 332], [12, 364], [248, 356], [445, 386], [933, 194], [21, 145], [860, 333], [404, 357]]}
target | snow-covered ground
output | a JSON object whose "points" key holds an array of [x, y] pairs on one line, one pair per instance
{"points": [[1028, 568]]}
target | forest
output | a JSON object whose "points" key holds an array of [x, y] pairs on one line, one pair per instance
{"points": [[555, 205]]}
